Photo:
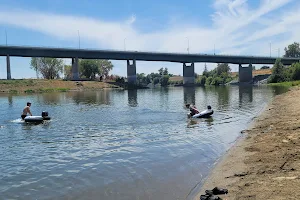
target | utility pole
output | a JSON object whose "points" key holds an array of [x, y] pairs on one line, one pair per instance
{"points": [[270, 49], [124, 44], [78, 39], [6, 37], [188, 49]]}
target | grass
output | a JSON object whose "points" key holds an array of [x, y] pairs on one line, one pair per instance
{"points": [[286, 84], [45, 90], [18, 82]]}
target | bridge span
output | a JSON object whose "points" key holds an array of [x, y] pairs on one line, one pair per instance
{"points": [[188, 60]]}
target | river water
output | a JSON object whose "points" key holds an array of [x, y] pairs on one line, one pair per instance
{"points": [[115, 144]]}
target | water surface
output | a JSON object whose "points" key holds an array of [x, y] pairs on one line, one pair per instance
{"points": [[115, 144]]}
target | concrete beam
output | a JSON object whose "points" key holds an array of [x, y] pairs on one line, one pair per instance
{"points": [[75, 69], [131, 71], [188, 74], [245, 74], [8, 67], [144, 56]]}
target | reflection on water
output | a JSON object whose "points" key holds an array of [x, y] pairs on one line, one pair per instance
{"points": [[132, 98], [245, 94], [189, 95], [120, 144]]}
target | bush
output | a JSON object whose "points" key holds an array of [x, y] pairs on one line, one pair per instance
{"points": [[208, 80], [295, 71]]}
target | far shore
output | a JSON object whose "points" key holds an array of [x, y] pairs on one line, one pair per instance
{"points": [[19, 86], [264, 163]]}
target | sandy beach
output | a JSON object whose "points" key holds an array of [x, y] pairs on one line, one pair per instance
{"points": [[265, 162]]}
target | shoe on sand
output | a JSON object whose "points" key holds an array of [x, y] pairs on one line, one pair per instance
{"points": [[209, 197], [216, 191]]}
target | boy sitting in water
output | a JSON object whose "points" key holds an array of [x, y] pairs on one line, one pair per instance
{"points": [[26, 110], [192, 108]]}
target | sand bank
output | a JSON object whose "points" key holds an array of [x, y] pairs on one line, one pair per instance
{"points": [[265, 164]]}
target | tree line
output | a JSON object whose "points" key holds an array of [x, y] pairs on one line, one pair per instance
{"points": [[51, 68], [281, 73]]}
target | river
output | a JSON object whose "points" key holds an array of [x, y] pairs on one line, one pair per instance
{"points": [[115, 144]]}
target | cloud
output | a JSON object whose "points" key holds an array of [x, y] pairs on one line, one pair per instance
{"points": [[237, 28]]}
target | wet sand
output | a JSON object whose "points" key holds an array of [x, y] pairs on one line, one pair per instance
{"points": [[265, 162]]}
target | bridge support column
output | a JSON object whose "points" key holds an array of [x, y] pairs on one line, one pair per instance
{"points": [[245, 74], [75, 69], [131, 71], [8, 67], [188, 74]]}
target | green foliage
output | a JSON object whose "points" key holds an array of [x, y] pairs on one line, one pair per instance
{"points": [[295, 71], [208, 80], [278, 73], [293, 50], [142, 79], [223, 68], [218, 76], [203, 80], [48, 67], [164, 80], [89, 68], [155, 80]]}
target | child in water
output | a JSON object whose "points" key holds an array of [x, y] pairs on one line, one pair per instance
{"points": [[192, 108]]}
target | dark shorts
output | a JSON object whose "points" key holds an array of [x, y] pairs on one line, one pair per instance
{"points": [[23, 116]]}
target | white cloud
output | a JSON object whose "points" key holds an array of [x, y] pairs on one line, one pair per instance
{"points": [[237, 28]]}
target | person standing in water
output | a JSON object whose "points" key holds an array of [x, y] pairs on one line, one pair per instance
{"points": [[26, 110]]}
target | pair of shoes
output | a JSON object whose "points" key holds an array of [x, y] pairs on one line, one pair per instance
{"points": [[209, 197], [216, 191]]}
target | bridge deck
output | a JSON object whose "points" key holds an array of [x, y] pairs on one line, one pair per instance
{"points": [[22, 51]]}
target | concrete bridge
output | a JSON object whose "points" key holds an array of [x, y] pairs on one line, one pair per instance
{"points": [[188, 60]]}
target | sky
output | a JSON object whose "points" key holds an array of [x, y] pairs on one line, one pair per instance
{"points": [[231, 27]]}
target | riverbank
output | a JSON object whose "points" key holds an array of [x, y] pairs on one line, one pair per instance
{"points": [[264, 164], [42, 85]]}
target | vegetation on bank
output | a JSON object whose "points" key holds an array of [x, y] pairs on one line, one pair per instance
{"points": [[218, 76], [289, 74], [51, 68]]}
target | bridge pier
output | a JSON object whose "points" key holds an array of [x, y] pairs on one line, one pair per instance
{"points": [[245, 74], [8, 67], [75, 69], [131, 72], [188, 74]]}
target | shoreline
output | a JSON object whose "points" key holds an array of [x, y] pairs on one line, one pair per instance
{"points": [[259, 165], [29, 86]]}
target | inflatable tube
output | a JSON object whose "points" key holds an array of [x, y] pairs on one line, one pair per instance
{"points": [[203, 114], [33, 119], [37, 119]]}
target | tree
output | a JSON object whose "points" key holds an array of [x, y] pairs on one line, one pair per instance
{"points": [[164, 80], [67, 72], [278, 72], [222, 67], [166, 72], [293, 50], [295, 71], [48, 67], [161, 71], [205, 71], [89, 68], [253, 68]]}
